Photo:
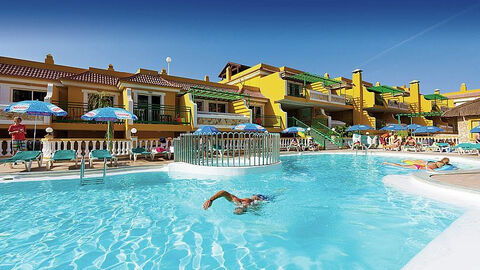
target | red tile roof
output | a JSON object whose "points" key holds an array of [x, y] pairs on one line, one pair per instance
{"points": [[148, 79], [93, 77], [32, 72]]}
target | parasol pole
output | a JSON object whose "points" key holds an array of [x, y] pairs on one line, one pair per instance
{"points": [[108, 135], [34, 131]]}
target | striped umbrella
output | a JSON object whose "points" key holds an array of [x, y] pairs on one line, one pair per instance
{"points": [[393, 127], [36, 108], [109, 114], [428, 129], [206, 130], [475, 130], [249, 127], [293, 130]]}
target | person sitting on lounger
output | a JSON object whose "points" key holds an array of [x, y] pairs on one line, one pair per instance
{"points": [[410, 141], [242, 204], [421, 164], [395, 144]]}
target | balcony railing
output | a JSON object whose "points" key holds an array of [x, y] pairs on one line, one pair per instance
{"points": [[74, 110], [268, 121], [397, 104], [162, 114]]}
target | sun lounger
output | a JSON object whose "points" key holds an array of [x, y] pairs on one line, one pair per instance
{"points": [[26, 157], [102, 155], [466, 148], [140, 151], [63, 155], [295, 145]]}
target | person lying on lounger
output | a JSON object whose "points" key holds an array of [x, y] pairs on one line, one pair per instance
{"points": [[242, 204], [421, 164]]}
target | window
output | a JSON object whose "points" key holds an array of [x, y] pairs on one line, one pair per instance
{"points": [[200, 107], [294, 90], [21, 95], [473, 124], [256, 110], [217, 107]]}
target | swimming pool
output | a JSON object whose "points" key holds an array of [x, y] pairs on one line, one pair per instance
{"points": [[329, 212]]}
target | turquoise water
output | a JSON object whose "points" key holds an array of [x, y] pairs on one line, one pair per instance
{"points": [[329, 212]]}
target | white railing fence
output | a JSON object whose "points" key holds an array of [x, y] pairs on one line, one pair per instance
{"points": [[437, 138], [228, 149], [285, 142], [119, 147]]}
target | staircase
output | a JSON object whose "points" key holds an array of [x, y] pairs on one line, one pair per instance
{"points": [[320, 133]]}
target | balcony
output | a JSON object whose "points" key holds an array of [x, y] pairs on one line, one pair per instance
{"points": [[74, 110], [397, 105], [319, 96], [268, 121], [162, 114], [221, 120]]}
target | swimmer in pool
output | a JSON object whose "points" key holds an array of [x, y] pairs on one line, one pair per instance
{"points": [[422, 165], [242, 204]]}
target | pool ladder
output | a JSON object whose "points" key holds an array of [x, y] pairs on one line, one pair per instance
{"points": [[95, 180]]}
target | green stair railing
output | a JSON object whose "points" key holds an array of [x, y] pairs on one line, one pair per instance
{"points": [[317, 135], [330, 134]]}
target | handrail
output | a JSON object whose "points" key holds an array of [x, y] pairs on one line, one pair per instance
{"points": [[337, 141]]}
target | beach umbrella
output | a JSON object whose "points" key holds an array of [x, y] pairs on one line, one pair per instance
{"points": [[108, 114], [359, 128], [428, 129], [475, 130], [36, 108], [293, 130], [413, 126], [206, 130], [249, 127], [393, 127]]}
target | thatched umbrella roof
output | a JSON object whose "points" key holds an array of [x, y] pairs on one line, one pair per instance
{"points": [[471, 108]]}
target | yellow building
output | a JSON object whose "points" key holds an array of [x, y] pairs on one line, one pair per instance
{"points": [[165, 105], [463, 95], [321, 103]]}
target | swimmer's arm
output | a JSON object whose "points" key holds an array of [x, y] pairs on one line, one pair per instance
{"points": [[222, 193]]}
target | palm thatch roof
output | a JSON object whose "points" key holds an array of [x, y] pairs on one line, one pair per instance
{"points": [[471, 108]]}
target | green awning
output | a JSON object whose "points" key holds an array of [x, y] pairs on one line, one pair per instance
{"points": [[312, 78], [383, 89], [215, 93], [435, 97], [420, 114]]}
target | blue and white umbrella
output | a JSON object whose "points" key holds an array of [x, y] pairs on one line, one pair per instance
{"points": [[35, 107], [249, 127], [428, 129], [475, 130], [293, 130], [206, 130], [359, 128], [393, 127], [414, 126], [109, 114]]}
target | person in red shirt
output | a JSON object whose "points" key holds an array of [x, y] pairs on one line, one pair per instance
{"points": [[18, 132]]}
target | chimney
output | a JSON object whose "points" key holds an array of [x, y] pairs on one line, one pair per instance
{"points": [[463, 87], [163, 72], [326, 75], [207, 79], [436, 91], [228, 73], [110, 67], [49, 59], [377, 84]]}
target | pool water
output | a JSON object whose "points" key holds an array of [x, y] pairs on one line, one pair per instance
{"points": [[328, 212]]}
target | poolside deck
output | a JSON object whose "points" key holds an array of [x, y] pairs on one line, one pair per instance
{"points": [[123, 163]]}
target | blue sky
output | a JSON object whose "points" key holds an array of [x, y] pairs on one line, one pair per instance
{"points": [[394, 42]]}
